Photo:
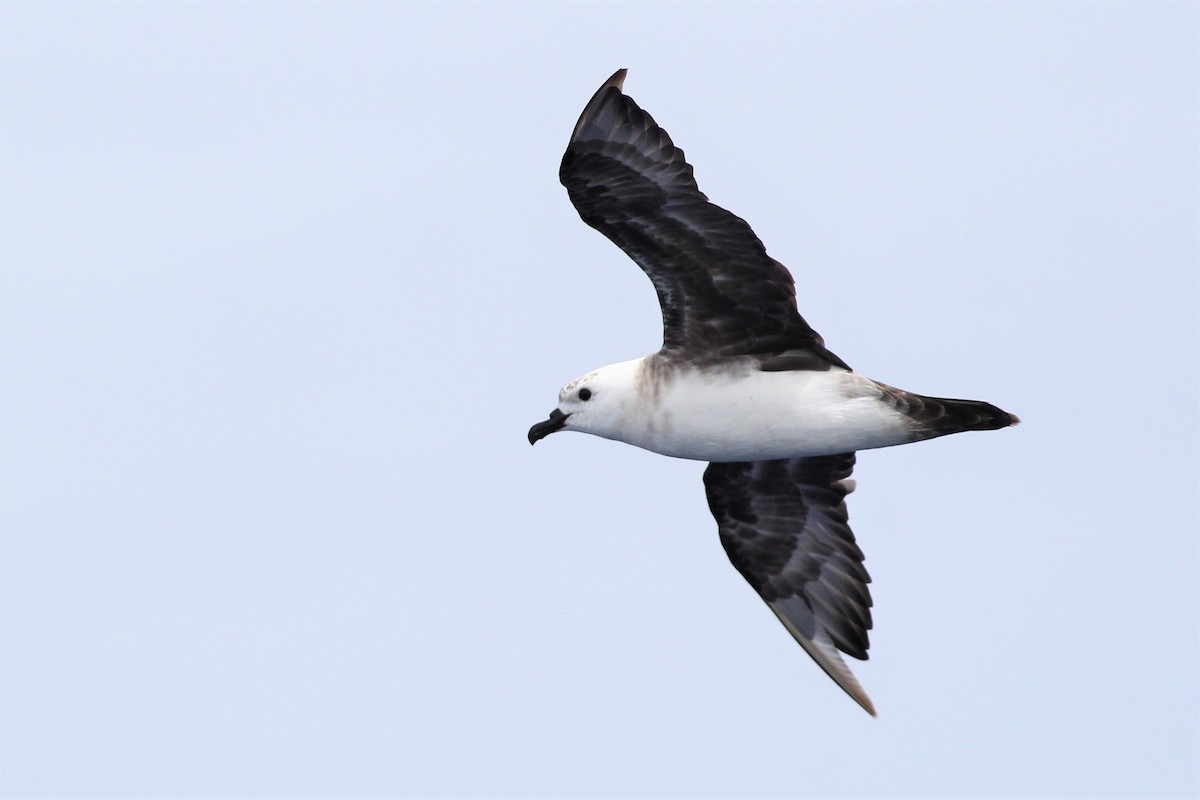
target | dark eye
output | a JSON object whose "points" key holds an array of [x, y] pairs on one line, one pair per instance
{"points": [[585, 394]]}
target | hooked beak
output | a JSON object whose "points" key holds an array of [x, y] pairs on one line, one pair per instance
{"points": [[543, 429]]}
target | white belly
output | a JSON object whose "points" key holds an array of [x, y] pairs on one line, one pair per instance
{"points": [[759, 416]]}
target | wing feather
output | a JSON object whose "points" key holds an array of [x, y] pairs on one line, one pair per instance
{"points": [[785, 527], [720, 293]]}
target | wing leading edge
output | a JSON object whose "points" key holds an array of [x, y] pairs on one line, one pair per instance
{"points": [[721, 294]]}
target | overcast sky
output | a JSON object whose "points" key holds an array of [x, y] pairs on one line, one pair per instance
{"points": [[283, 286]]}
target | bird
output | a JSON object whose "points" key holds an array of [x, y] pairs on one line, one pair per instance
{"points": [[742, 382]]}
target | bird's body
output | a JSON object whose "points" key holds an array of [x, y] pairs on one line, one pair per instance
{"points": [[741, 381], [741, 412]]}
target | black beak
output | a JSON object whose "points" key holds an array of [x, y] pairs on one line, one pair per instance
{"points": [[543, 429]]}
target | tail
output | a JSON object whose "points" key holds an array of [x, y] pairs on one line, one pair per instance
{"points": [[940, 416]]}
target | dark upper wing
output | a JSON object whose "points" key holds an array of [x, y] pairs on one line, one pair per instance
{"points": [[784, 525], [721, 294]]}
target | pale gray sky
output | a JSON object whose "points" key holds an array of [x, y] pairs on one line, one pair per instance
{"points": [[282, 287]]}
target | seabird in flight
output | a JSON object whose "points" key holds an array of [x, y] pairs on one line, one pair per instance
{"points": [[741, 381]]}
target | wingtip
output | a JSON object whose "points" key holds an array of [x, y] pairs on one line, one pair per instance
{"points": [[823, 651], [861, 698], [616, 82], [617, 79]]}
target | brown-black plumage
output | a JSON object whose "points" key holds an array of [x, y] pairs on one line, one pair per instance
{"points": [[785, 527], [721, 294], [940, 416]]}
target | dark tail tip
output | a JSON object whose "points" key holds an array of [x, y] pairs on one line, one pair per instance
{"points": [[939, 416], [973, 415]]}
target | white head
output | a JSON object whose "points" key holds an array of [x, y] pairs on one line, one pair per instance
{"points": [[599, 403]]}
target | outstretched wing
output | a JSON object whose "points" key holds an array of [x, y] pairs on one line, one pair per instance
{"points": [[721, 294], [785, 527]]}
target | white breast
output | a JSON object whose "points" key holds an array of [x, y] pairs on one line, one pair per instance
{"points": [[759, 416]]}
